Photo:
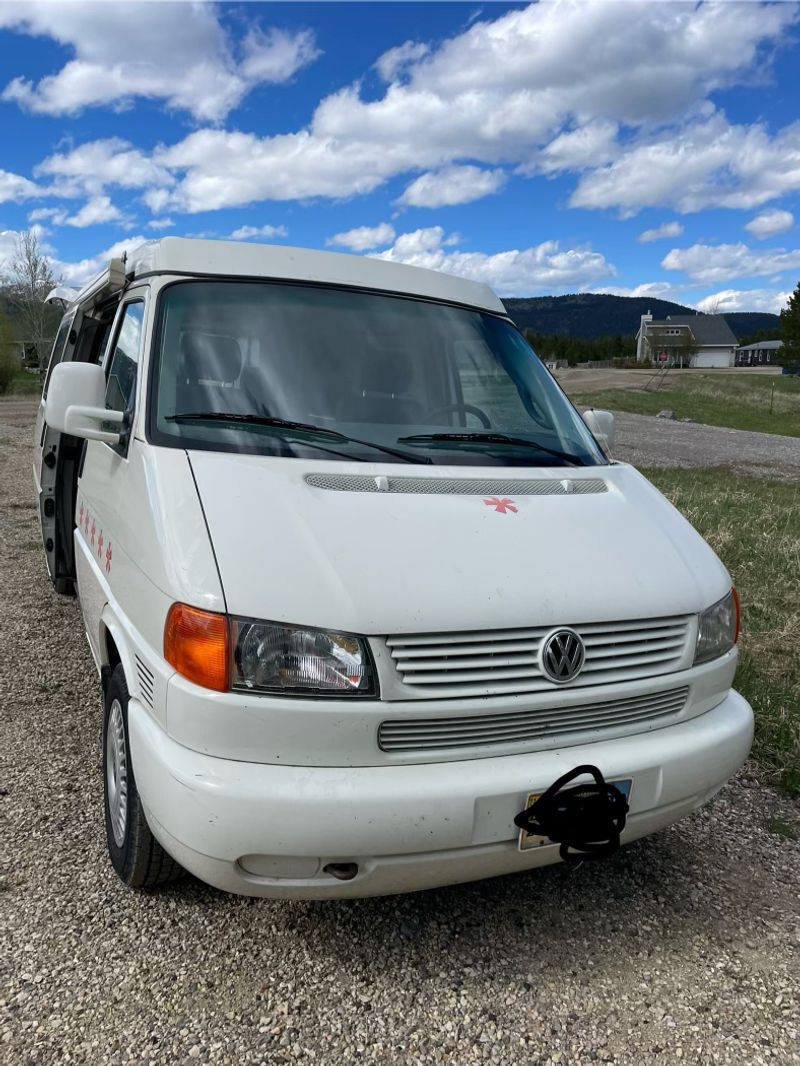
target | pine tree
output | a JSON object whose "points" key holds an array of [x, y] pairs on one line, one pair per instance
{"points": [[790, 329]]}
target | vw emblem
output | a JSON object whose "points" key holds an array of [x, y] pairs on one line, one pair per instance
{"points": [[562, 655]]}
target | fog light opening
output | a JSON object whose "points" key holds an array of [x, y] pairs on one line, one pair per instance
{"points": [[342, 871]]}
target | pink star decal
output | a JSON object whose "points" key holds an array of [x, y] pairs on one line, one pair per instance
{"points": [[94, 527], [80, 515], [86, 523], [100, 544], [108, 558], [501, 504]]}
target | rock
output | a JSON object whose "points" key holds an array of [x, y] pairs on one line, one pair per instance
{"points": [[666, 413]]}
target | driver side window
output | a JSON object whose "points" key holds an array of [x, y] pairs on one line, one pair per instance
{"points": [[123, 365]]}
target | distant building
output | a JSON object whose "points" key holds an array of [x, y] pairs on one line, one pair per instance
{"points": [[686, 340], [762, 353]]}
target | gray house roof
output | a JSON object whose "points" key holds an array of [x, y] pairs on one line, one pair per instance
{"points": [[760, 345], [706, 329]]}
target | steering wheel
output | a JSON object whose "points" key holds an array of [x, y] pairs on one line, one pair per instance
{"points": [[467, 408]]}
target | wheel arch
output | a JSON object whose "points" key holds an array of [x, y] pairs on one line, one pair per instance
{"points": [[115, 648]]}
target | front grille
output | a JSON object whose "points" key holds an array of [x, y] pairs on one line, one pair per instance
{"points": [[498, 662], [518, 727]]}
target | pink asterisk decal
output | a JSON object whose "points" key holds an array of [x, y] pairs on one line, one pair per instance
{"points": [[108, 558], [94, 527], [86, 523], [501, 504], [100, 544], [80, 515]]}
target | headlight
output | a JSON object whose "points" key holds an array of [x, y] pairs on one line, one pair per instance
{"points": [[718, 630], [269, 657]]}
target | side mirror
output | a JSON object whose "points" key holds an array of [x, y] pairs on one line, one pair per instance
{"points": [[601, 425], [76, 403]]}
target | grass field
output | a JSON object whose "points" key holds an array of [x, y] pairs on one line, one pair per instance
{"points": [[738, 401], [754, 526], [25, 384]]}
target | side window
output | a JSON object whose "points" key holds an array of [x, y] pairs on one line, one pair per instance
{"points": [[121, 377], [59, 347]]}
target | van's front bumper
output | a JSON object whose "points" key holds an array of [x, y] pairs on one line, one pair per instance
{"points": [[407, 827]]}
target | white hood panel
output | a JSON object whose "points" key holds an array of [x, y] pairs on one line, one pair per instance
{"points": [[383, 563]]}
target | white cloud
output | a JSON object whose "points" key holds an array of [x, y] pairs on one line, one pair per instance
{"points": [[13, 187], [745, 300], [160, 223], [77, 274], [363, 238], [707, 163], [666, 229], [393, 62], [274, 56], [98, 209], [517, 272], [768, 223], [586, 146], [178, 53], [519, 90], [246, 233], [95, 164], [659, 290], [452, 185], [707, 263]]}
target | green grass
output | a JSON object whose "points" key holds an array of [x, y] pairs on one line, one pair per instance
{"points": [[25, 384], [738, 401], [753, 524], [781, 828]]}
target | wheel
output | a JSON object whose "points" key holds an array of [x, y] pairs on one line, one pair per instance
{"points": [[135, 854], [467, 408]]}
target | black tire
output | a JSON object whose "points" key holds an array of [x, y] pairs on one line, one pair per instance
{"points": [[135, 854]]}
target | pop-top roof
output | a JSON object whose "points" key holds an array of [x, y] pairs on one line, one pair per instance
{"points": [[180, 255]]}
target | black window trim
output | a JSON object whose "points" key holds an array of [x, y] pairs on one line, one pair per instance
{"points": [[136, 296]]}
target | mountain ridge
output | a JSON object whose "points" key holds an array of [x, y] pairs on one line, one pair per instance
{"points": [[592, 314]]}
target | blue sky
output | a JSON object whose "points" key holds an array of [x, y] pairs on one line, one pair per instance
{"points": [[639, 148]]}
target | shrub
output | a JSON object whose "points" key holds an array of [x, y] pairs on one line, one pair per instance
{"points": [[9, 365]]}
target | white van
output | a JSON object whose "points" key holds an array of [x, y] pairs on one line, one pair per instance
{"points": [[362, 585]]}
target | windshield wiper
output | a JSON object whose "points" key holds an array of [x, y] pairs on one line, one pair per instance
{"points": [[288, 424], [492, 438]]}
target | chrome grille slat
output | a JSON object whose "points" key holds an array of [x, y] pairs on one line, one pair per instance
{"points": [[507, 661], [471, 723], [534, 724]]}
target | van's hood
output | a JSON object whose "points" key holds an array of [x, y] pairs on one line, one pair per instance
{"points": [[385, 562]]}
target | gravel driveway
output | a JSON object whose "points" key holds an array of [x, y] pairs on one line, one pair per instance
{"points": [[684, 947], [648, 441]]}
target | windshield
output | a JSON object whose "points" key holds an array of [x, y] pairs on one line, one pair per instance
{"points": [[310, 372]]}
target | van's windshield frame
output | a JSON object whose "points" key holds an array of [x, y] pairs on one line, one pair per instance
{"points": [[466, 440]]}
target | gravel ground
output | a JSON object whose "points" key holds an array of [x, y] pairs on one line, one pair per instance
{"points": [[648, 441], [683, 948]]}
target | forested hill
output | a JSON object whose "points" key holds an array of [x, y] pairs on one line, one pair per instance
{"points": [[591, 315]]}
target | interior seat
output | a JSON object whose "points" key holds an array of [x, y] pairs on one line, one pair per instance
{"points": [[382, 394]]}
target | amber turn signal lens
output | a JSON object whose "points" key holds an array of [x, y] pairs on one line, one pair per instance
{"points": [[196, 644]]}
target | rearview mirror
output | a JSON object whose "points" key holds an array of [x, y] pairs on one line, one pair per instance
{"points": [[76, 403], [601, 425]]}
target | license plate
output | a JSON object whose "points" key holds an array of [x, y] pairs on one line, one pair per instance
{"points": [[531, 840]]}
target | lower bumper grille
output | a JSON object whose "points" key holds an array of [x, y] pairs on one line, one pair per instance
{"points": [[516, 727]]}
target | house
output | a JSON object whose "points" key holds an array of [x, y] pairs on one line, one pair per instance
{"points": [[762, 353], [686, 340]]}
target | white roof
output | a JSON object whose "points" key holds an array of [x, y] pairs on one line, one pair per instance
{"points": [[180, 255], [769, 345]]}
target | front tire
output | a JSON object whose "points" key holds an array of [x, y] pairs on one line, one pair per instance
{"points": [[135, 854]]}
